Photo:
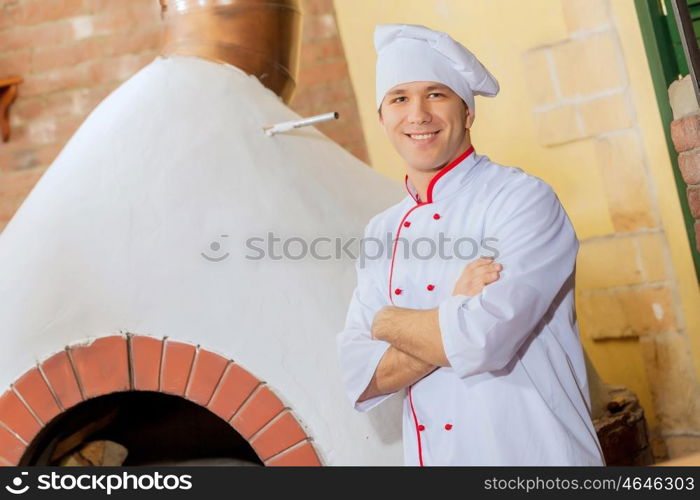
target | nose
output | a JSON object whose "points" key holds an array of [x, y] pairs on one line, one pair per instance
{"points": [[418, 112]]}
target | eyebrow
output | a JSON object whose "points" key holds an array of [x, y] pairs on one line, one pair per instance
{"points": [[426, 89]]}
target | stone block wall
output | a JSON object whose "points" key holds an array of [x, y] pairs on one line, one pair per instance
{"points": [[626, 290]]}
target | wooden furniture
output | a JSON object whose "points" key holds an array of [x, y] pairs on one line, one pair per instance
{"points": [[8, 93]]}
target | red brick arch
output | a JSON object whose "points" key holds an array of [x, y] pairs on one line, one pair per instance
{"points": [[141, 363]]}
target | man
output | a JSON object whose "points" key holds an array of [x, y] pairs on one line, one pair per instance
{"points": [[491, 361]]}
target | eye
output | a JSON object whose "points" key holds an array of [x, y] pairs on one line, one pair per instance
{"points": [[438, 94], [398, 99]]}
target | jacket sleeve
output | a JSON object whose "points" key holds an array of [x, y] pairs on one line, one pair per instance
{"points": [[358, 353], [537, 246]]}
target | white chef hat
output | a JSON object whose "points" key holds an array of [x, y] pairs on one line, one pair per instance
{"points": [[411, 53]]}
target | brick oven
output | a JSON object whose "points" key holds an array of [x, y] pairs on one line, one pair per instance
{"points": [[145, 304]]}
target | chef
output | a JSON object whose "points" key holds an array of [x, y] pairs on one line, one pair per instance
{"points": [[485, 344]]}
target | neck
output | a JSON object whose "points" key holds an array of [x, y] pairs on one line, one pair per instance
{"points": [[421, 178]]}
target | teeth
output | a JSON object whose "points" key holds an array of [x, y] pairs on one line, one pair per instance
{"points": [[422, 136]]}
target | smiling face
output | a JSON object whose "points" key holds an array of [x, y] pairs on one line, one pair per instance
{"points": [[427, 123]]}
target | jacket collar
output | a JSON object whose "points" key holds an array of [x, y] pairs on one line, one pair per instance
{"points": [[448, 180]]}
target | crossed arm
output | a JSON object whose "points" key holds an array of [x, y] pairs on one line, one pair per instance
{"points": [[416, 341], [395, 371]]}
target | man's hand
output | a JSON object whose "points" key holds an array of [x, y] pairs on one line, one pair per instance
{"points": [[476, 276], [381, 325]]}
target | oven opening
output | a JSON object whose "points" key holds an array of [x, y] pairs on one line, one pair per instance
{"points": [[139, 428]]}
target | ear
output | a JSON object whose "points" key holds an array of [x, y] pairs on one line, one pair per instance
{"points": [[470, 118]]}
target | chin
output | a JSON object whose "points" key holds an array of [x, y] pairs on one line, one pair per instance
{"points": [[419, 160], [427, 166], [426, 163]]}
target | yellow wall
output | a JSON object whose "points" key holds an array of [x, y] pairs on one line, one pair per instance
{"points": [[501, 33]]}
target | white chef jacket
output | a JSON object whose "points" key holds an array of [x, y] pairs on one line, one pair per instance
{"points": [[516, 391]]}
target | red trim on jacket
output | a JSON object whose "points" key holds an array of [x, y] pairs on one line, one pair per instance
{"points": [[405, 181], [393, 253], [431, 186], [437, 176], [415, 421]]}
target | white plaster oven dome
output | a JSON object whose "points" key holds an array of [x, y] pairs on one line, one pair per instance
{"points": [[110, 242]]}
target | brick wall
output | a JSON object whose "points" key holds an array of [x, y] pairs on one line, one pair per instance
{"points": [[324, 82], [685, 132], [73, 53]]}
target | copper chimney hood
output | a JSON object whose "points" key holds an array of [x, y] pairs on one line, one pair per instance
{"points": [[260, 37]]}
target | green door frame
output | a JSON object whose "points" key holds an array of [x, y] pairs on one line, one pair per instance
{"points": [[658, 43]]}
